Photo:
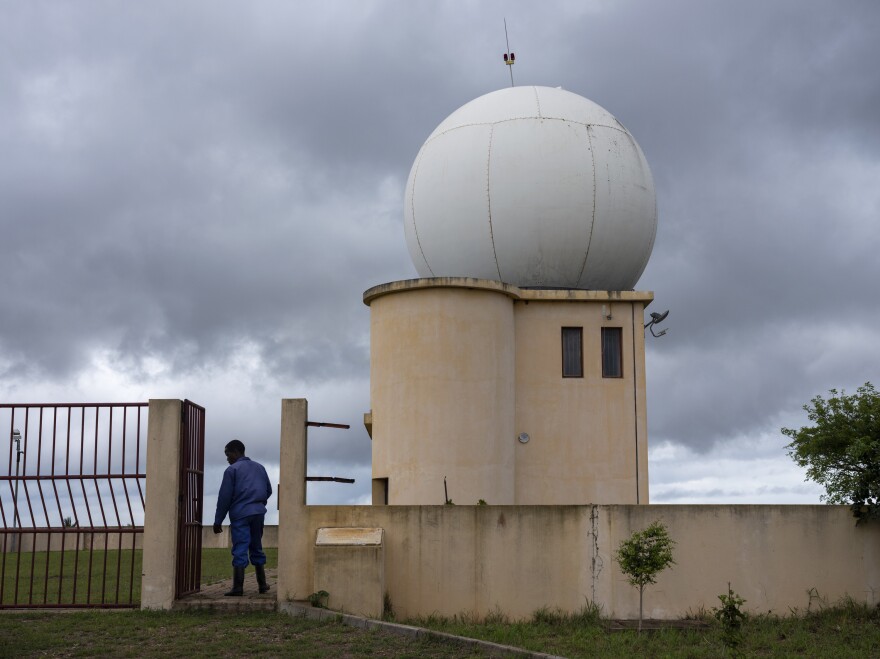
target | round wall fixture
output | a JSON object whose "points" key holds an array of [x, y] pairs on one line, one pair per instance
{"points": [[523, 438]]}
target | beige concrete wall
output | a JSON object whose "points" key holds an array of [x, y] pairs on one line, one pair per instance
{"points": [[211, 540], [453, 559], [460, 367], [84, 540], [449, 559], [771, 555], [442, 394], [103, 541], [28, 542]]}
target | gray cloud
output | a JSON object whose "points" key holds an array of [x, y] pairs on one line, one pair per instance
{"points": [[193, 198]]}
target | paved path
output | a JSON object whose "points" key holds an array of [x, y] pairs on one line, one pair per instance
{"points": [[211, 596]]}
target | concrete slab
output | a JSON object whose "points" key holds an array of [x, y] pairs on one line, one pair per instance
{"points": [[348, 537]]}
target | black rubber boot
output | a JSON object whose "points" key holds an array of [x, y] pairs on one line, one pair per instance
{"points": [[261, 578], [237, 583]]}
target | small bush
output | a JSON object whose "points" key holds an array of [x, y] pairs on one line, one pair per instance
{"points": [[731, 618], [387, 607], [319, 599]]}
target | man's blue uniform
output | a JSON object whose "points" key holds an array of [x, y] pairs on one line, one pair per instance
{"points": [[243, 494]]}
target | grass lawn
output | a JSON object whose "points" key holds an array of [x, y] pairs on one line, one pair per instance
{"points": [[70, 577], [199, 633], [57, 577], [844, 631]]}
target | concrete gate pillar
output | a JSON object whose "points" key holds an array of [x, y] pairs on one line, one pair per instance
{"points": [[161, 504], [294, 543]]}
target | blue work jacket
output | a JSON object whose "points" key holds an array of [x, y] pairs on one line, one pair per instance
{"points": [[244, 491]]}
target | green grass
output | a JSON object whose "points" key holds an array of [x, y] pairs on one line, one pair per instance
{"points": [[846, 630], [57, 577], [199, 633]]}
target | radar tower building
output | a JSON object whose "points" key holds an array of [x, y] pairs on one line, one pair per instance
{"points": [[514, 366]]}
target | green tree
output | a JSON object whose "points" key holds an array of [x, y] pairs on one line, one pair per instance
{"points": [[643, 556], [841, 449]]}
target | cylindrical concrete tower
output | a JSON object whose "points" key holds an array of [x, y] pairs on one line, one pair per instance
{"points": [[442, 390]]}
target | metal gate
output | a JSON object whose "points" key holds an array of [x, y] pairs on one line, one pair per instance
{"points": [[192, 480], [71, 504]]}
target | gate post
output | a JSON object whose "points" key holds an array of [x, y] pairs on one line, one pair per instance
{"points": [[294, 542], [161, 506]]}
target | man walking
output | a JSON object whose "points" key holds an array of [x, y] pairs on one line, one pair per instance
{"points": [[243, 494]]}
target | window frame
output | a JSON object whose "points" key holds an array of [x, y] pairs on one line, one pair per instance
{"points": [[579, 331], [618, 331]]}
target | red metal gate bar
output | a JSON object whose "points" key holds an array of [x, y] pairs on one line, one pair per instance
{"points": [[91, 530], [192, 475]]}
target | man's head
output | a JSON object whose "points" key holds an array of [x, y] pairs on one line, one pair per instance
{"points": [[234, 450]]}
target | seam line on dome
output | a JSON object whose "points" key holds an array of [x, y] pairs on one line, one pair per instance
{"points": [[504, 121], [537, 101], [489, 201], [593, 219], [650, 249], [412, 202]]}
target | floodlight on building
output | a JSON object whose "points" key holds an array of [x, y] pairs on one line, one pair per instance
{"points": [[656, 319]]}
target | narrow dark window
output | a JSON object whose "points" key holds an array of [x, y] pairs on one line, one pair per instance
{"points": [[572, 352], [612, 352]]}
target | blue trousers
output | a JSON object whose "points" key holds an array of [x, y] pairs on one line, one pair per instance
{"points": [[247, 539]]}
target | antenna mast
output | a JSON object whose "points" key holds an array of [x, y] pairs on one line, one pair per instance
{"points": [[509, 58]]}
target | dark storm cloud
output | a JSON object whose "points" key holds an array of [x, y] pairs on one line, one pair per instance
{"points": [[767, 251], [165, 212], [212, 188]]}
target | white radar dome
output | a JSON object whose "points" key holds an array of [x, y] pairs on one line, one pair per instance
{"points": [[532, 186]]}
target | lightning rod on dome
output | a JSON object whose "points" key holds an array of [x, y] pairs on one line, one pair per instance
{"points": [[509, 58]]}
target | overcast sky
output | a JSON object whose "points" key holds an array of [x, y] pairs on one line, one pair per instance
{"points": [[195, 195]]}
